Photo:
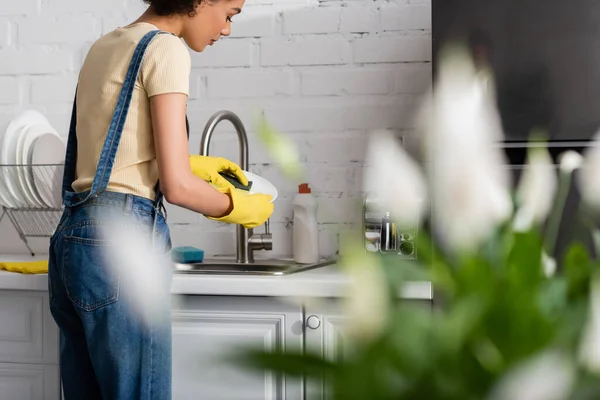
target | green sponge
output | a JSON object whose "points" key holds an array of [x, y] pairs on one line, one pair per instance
{"points": [[235, 181]]}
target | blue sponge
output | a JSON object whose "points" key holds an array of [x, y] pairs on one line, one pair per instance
{"points": [[187, 254]]}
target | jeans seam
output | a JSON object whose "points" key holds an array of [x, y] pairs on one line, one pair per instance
{"points": [[133, 210], [152, 364], [96, 222]]}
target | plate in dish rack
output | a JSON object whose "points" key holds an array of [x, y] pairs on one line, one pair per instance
{"points": [[14, 192], [48, 151], [4, 196], [24, 151]]}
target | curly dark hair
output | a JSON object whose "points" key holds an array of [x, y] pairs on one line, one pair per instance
{"points": [[174, 7]]}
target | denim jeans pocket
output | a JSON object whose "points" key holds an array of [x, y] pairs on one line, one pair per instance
{"points": [[90, 281]]}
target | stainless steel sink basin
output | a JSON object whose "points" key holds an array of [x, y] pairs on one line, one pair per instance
{"points": [[224, 266]]}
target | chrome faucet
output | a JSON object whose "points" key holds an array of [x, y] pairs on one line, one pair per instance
{"points": [[247, 241]]}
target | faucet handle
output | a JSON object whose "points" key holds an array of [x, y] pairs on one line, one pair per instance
{"points": [[263, 241]]}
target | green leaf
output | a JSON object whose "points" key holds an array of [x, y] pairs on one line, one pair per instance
{"points": [[488, 355], [553, 297], [410, 339], [440, 271], [454, 328], [525, 260], [496, 249], [403, 270], [578, 271], [476, 275]]}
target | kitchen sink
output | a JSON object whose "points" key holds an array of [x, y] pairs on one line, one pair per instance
{"points": [[225, 266]]}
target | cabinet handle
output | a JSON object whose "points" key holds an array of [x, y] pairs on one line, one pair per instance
{"points": [[313, 322]]}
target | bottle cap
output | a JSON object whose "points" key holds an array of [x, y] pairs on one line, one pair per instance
{"points": [[303, 188]]}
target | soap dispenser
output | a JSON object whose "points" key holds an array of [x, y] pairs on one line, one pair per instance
{"points": [[306, 229]]}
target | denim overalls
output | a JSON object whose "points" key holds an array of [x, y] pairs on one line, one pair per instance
{"points": [[106, 351]]}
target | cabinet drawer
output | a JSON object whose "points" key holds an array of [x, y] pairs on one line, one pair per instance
{"points": [[29, 382], [28, 333]]}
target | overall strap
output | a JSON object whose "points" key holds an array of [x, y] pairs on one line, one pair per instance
{"points": [[113, 137]]}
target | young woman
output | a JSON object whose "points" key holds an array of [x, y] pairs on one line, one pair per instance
{"points": [[128, 148]]}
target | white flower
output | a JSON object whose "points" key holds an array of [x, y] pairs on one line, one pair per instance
{"points": [[589, 350], [365, 303], [549, 376], [548, 264], [143, 272], [469, 181], [536, 190], [589, 176], [393, 179], [570, 160]]}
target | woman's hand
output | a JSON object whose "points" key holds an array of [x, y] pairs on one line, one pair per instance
{"points": [[248, 210], [208, 168]]}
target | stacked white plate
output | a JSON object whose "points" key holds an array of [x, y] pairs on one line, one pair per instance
{"points": [[32, 158]]}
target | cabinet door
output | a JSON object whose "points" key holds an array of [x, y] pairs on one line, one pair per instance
{"points": [[324, 335], [28, 333], [206, 330], [29, 382]]}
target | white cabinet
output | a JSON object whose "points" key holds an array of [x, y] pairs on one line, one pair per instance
{"points": [[28, 333], [28, 347], [29, 382], [207, 330], [324, 336]]}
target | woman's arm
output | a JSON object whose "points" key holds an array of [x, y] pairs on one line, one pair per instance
{"points": [[177, 182]]}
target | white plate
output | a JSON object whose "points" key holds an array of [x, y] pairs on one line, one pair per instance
{"points": [[24, 150], [261, 185], [48, 149], [15, 129], [31, 199], [4, 196]]}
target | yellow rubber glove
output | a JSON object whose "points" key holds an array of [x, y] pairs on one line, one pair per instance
{"points": [[249, 210], [207, 168]]}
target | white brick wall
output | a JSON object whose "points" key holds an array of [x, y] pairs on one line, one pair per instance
{"points": [[323, 71]]}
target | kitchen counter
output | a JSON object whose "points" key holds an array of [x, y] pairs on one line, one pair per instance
{"points": [[16, 281], [320, 282], [212, 314]]}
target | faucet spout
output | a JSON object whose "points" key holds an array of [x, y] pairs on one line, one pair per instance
{"points": [[246, 242], [239, 128]]}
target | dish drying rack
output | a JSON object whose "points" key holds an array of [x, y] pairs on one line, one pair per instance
{"points": [[29, 220]]}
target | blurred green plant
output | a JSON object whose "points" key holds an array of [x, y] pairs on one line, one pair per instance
{"points": [[512, 323]]}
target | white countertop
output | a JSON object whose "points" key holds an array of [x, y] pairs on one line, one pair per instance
{"points": [[16, 281], [321, 282]]}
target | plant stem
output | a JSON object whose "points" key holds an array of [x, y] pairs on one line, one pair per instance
{"points": [[564, 183], [596, 239], [594, 231]]}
